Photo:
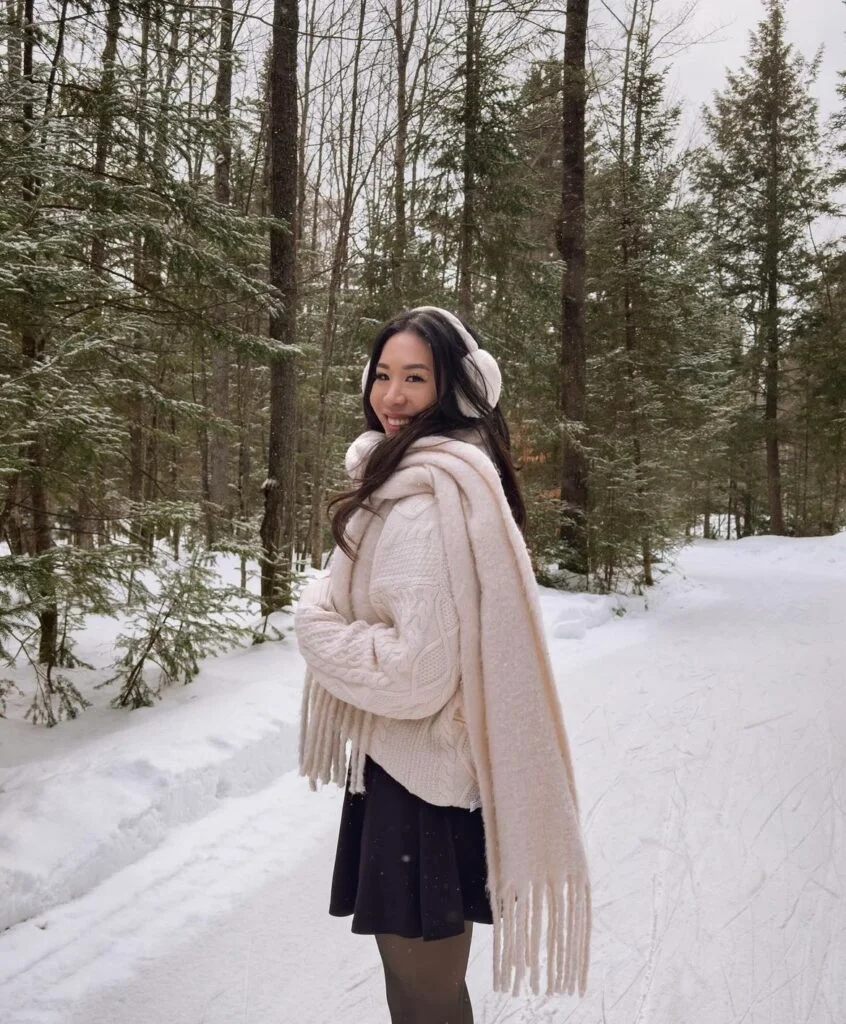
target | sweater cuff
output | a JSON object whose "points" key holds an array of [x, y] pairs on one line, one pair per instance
{"points": [[317, 594]]}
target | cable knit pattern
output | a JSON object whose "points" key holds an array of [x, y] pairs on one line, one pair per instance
{"points": [[406, 665]]}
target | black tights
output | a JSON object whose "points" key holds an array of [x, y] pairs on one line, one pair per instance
{"points": [[424, 980]]}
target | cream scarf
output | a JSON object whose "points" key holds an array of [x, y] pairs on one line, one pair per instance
{"points": [[537, 871]]}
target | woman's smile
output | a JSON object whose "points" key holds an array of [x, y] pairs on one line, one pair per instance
{"points": [[395, 423]]}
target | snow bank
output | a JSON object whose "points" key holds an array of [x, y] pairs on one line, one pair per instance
{"points": [[72, 819], [80, 802], [92, 796]]}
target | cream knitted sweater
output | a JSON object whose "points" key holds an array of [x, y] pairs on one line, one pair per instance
{"points": [[399, 657]]}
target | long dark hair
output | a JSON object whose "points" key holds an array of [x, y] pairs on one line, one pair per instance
{"points": [[443, 417]]}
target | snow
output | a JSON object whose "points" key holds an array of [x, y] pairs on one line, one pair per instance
{"points": [[168, 863]]}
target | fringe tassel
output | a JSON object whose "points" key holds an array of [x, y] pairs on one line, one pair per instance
{"points": [[519, 952], [496, 905], [356, 756], [329, 739], [339, 757], [586, 934], [321, 708], [561, 939], [551, 939], [326, 724], [304, 721], [533, 947], [519, 926]]}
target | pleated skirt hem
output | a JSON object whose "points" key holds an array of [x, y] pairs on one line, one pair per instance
{"points": [[407, 867]]}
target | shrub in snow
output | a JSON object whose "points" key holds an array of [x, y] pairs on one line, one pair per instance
{"points": [[69, 583], [180, 615]]}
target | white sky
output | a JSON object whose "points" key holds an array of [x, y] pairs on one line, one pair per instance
{"points": [[812, 24]]}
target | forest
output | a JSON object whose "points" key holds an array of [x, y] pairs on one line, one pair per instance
{"points": [[208, 210]]}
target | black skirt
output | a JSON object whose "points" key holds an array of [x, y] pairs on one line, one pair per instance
{"points": [[407, 867]]}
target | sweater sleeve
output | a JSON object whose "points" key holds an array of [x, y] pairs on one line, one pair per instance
{"points": [[408, 665]]}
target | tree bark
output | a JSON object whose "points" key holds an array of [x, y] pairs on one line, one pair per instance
{"points": [[772, 251], [279, 488], [302, 177], [771, 396], [37, 534], [330, 324], [468, 162], [399, 249], [219, 442], [571, 245], [14, 14], [630, 237], [105, 121]]}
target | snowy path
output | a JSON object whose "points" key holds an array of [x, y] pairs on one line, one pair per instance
{"points": [[709, 740]]}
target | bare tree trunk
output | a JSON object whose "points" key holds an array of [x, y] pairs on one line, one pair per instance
{"points": [[806, 457], [771, 321], [836, 498], [219, 442], [37, 534], [706, 523], [310, 50], [279, 488], [10, 517], [173, 479], [399, 249], [747, 513], [472, 103], [771, 397], [243, 453], [571, 245], [630, 170], [203, 427], [146, 269], [85, 518], [14, 14], [105, 121], [330, 325], [732, 508], [151, 473]]}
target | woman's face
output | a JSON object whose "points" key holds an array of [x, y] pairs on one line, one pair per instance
{"points": [[404, 384]]}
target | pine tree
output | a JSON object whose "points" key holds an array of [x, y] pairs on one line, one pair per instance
{"points": [[118, 266], [766, 184], [659, 377]]}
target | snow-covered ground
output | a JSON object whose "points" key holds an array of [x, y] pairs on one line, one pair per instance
{"points": [[167, 865]]}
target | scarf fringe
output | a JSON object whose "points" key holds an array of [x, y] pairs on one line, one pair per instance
{"points": [[326, 725], [519, 927]]}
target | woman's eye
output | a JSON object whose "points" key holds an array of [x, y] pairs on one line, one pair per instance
{"points": [[413, 377]]}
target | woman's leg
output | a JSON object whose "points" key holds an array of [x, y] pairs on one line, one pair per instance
{"points": [[424, 981]]}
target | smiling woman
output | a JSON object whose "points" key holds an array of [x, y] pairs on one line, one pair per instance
{"points": [[404, 383], [429, 661]]}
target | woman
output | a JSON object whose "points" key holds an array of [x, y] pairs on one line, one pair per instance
{"points": [[425, 650]]}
